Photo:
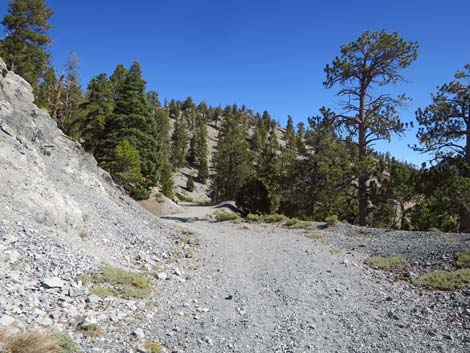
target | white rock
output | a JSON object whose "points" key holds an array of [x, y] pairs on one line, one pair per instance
{"points": [[162, 275], [6, 320], [53, 282], [139, 333]]}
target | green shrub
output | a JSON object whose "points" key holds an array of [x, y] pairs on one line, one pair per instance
{"points": [[331, 220], [462, 259], [395, 263], [66, 343], [152, 347], [292, 222], [253, 217], [273, 218], [444, 280], [91, 328], [224, 215], [190, 184], [254, 197]]}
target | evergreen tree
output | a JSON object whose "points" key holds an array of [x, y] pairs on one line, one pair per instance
{"points": [[445, 130], [96, 109], [72, 96], [47, 90], [25, 46], [374, 59], [166, 181], [126, 169], [190, 184], [179, 140], [133, 119], [232, 162]]}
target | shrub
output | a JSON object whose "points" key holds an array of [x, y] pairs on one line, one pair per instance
{"points": [[395, 263], [253, 217], [253, 197], [190, 184], [90, 328], [274, 218], [224, 215], [292, 222], [66, 343], [29, 342], [331, 220], [152, 347], [444, 280], [462, 259]]}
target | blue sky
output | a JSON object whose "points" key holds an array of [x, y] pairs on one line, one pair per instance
{"points": [[268, 55]]}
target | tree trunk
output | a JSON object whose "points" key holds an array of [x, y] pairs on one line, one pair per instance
{"points": [[60, 88], [362, 172]]}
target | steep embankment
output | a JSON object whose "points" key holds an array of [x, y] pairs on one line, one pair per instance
{"points": [[60, 216]]}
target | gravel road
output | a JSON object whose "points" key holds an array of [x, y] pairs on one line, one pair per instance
{"points": [[267, 288]]}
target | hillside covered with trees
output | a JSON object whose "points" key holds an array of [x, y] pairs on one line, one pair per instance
{"points": [[326, 167]]}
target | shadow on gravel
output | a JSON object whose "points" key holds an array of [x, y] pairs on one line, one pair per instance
{"points": [[182, 219]]}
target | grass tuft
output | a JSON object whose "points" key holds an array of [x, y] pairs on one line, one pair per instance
{"points": [[253, 217], [462, 259], [152, 347], [66, 343], [444, 280], [29, 342], [223, 216], [314, 236], [395, 263], [91, 328], [112, 281], [274, 218]]}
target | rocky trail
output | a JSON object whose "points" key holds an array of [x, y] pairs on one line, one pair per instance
{"points": [[267, 288]]}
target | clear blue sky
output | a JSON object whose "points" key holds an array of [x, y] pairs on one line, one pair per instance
{"points": [[268, 55]]}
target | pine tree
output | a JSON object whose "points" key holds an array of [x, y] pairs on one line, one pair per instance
{"points": [[232, 160], [126, 169], [445, 130], [190, 184], [179, 140], [374, 59], [25, 46], [97, 108], [72, 96], [133, 119], [47, 90]]}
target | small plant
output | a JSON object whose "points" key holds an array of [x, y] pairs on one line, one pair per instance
{"points": [[462, 259], [112, 281], [331, 221], [314, 236], [395, 263], [152, 347], [29, 342], [223, 215], [335, 251], [66, 343], [274, 218], [90, 328], [190, 184], [253, 217], [444, 280], [292, 222]]}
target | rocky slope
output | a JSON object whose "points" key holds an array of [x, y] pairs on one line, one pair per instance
{"points": [[60, 216]]}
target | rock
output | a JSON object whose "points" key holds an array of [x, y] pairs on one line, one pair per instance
{"points": [[162, 275], [6, 321], [138, 333], [53, 282]]}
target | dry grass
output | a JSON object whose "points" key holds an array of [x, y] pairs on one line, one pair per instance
{"points": [[314, 236], [29, 342], [395, 263], [223, 216], [152, 347], [112, 281]]}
